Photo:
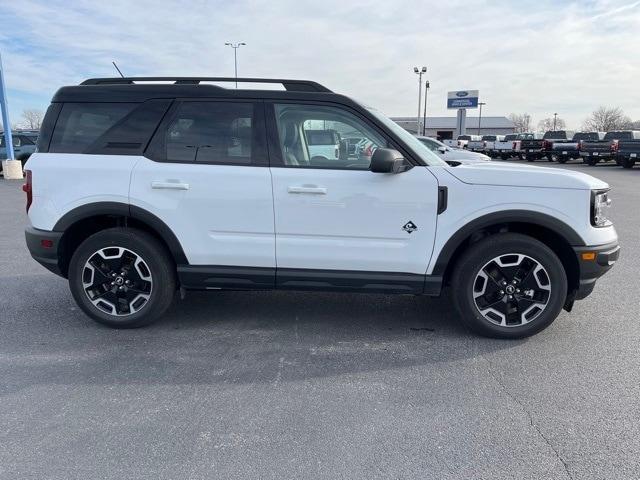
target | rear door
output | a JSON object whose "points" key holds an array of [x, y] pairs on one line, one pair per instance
{"points": [[206, 176], [335, 222]]}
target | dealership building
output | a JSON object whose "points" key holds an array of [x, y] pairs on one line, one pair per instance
{"points": [[445, 127]]}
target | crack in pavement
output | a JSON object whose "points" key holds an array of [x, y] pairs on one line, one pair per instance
{"points": [[528, 414]]}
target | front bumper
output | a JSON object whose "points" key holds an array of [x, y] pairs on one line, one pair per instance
{"points": [[44, 247], [594, 262]]}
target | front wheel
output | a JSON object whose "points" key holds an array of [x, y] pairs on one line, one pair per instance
{"points": [[509, 286], [122, 278]]}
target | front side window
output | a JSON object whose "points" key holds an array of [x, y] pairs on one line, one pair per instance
{"points": [[325, 137], [210, 132]]}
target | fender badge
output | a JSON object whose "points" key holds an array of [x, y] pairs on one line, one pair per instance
{"points": [[409, 227]]}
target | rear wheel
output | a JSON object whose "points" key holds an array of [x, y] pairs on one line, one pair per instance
{"points": [[509, 286], [591, 161], [123, 278], [628, 162]]}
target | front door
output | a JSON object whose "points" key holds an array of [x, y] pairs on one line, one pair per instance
{"points": [[334, 217]]}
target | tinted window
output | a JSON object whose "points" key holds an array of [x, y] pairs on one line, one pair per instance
{"points": [[464, 137], [618, 136], [81, 124], [560, 134], [509, 138], [210, 132], [590, 136], [490, 138]]}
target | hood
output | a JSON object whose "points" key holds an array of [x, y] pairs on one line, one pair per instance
{"points": [[515, 175]]}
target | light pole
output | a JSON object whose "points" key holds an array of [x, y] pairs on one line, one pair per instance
{"points": [[424, 113], [420, 72], [235, 57], [480, 118], [555, 117]]}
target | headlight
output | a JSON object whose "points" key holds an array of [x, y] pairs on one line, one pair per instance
{"points": [[600, 205]]}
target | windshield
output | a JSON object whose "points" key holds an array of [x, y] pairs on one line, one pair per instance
{"points": [[416, 145]]}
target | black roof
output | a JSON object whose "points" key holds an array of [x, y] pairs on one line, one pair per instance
{"points": [[130, 89]]}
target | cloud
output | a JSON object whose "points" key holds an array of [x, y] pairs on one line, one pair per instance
{"points": [[535, 56]]}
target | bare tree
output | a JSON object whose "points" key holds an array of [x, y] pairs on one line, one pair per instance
{"points": [[522, 122], [547, 124], [32, 119], [605, 119]]}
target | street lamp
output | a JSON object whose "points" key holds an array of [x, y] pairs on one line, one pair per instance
{"points": [[424, 113], [555, 117], [480, 118], [235, 56], [419, 72]]}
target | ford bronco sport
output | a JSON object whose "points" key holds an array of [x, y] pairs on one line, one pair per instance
{"points": [[145, 186]]}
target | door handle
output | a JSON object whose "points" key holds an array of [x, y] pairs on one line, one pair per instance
{"points": [[170, 186], [308, 189]]}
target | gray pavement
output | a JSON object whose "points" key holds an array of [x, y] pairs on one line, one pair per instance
{"points": [[276, 385]]}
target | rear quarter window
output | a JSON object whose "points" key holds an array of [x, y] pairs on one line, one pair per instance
{"points": [[79, 125]]}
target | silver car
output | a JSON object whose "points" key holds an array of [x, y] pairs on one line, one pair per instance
{"points": [[449, 154]]}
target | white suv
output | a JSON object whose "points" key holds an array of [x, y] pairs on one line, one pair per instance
{"points": [[141, 189]]}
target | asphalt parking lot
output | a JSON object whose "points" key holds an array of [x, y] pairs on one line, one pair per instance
{"points": [[281, 385]]}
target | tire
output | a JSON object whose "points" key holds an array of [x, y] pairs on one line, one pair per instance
{"points": [[137, 298], [561, 159], [544, 294], [628, 163], [591, 161], [529, 158]]}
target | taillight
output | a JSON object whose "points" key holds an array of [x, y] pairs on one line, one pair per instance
{"points": [[515, 145], [28, 188], [614, 146]]}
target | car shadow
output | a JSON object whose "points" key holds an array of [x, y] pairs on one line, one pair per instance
{"points": [[229, 337]]}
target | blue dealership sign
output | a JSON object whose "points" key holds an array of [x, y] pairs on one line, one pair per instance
{"points": [[463, 99]]}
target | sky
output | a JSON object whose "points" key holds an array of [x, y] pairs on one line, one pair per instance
{"points": [[534, 56]]}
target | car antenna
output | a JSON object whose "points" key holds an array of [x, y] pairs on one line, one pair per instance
{"points": [[114, 64]]}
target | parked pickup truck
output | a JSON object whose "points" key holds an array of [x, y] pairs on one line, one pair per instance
{"points": [[593, 151], [504, 147], [564, 150], [628, 149], [530, 147], [461, 141], [541, 148], [478, 143]]}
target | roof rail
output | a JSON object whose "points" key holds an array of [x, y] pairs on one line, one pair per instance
{"points": [[290, 85]]}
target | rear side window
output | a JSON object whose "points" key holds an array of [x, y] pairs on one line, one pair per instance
{"points": [[215, 132], [81, 124]]}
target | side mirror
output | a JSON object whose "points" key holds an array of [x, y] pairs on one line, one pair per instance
{"points": [[387, 160], [443, 149]]}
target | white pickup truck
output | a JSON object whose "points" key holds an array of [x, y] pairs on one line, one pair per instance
{"points": [[481, 143], [504, 147]]}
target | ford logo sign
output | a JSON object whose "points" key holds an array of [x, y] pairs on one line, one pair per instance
{"points": [[462, 94]]}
